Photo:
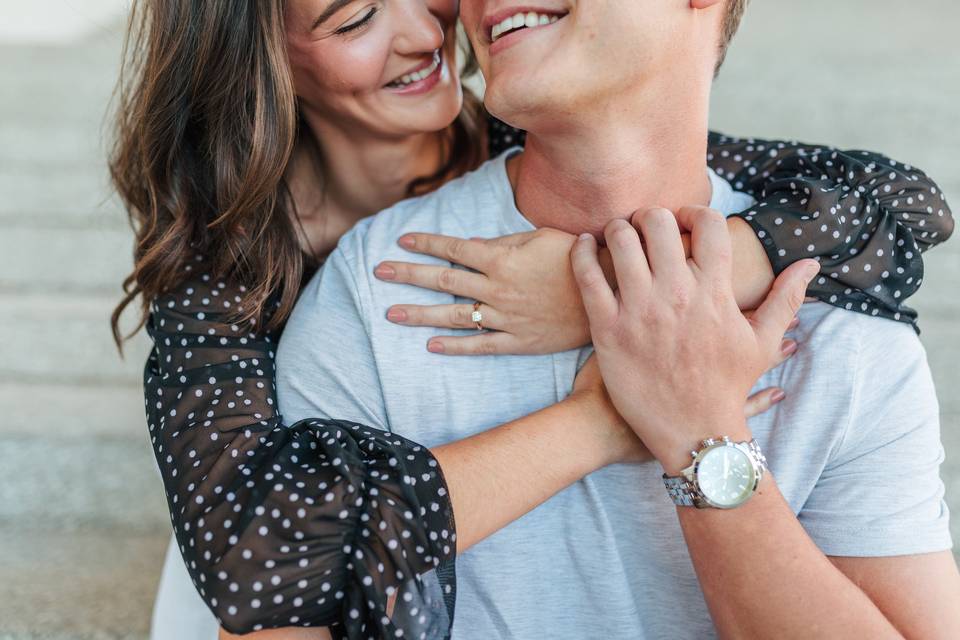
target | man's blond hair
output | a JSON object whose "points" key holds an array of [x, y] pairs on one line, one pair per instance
{"points": [[731, 22]]}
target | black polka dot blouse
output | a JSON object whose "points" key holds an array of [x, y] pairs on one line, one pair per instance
{"points": [[326, 522]]}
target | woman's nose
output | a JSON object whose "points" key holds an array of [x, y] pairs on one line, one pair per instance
{"points": [[421, 31]]}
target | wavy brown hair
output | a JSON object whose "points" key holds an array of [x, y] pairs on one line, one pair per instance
{"points": [[206, 125]]}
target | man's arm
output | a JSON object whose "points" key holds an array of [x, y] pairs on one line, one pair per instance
{"points": [[679, 331]]}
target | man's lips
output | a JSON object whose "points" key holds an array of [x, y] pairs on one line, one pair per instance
{"points": [[507, 20]]}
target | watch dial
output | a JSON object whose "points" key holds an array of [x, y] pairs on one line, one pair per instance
{"points": [[725, 475]]}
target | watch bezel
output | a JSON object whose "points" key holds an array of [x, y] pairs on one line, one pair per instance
{"points": [[692, 472]]}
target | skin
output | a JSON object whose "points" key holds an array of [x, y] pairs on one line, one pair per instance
{"points": [[682, 311], [372, 143]]}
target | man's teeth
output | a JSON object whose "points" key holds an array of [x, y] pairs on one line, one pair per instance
{"points": [[416, 76], [522, 21]]}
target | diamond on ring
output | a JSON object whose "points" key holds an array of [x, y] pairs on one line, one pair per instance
{"points": [[477, 317]]}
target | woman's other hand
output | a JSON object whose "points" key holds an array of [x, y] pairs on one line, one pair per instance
{"points": [[524, 282], [624, 445]]}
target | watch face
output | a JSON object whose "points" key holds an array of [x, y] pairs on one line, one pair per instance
{"points": [[725, 475]]}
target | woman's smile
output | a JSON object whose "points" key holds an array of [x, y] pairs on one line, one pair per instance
{"points": [[420, 80]]}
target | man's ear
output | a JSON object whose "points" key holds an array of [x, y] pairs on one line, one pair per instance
{"points": [[703, 4]]}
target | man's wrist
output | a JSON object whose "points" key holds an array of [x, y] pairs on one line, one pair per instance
{"points": [[676, 456]]}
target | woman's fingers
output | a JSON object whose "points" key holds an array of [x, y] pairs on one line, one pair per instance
{"points": [[488, 343], [446, 316], [465, 284], [763, 400], [473, 253]]}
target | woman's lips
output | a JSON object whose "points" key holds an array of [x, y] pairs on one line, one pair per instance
{"points": [[421, 79]]}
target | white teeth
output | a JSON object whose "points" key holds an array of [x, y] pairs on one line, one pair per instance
{"points": [[416, 76], [527, 20]]}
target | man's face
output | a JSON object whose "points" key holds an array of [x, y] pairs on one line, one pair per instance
{"points": [[568, 57]]}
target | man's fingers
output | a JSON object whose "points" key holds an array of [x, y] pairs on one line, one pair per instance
{"points": [[763, 400], [598, 299], [664, 247], [710, 246], [629, 261], [771, 319], [475, 254]]}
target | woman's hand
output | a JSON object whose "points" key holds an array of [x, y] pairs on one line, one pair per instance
{"points": [[524, 282]]}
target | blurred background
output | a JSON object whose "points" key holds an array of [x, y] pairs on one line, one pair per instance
{"points": [[83, 524]]}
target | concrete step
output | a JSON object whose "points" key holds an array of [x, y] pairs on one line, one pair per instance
{"points": [[71, 410], [78, 585], [67, 483], [87, 260], [65, 338]]}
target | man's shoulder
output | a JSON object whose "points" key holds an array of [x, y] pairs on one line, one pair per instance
{"points": [[446, 210], [849, 350]]}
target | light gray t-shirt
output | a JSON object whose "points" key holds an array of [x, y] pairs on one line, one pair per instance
{"points": [[855, 447]]}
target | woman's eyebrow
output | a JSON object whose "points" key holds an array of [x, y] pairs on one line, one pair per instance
{"points": [[335, 6]]}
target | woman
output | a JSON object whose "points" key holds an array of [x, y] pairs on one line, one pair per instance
{"points": [[252, 136]]}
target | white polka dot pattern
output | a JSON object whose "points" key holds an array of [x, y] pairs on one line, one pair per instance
{"points": [[320, 522], [313, 524], [864, 217]]}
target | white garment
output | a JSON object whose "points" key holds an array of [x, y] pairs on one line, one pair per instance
{"points": [[179, 613]]}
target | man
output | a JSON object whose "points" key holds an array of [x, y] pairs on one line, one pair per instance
{"points": [[846, 535]]}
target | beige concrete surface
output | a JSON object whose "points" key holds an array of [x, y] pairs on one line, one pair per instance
{"points": [[82, 520]]}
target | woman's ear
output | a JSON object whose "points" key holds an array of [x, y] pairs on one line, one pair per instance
{"points": [[703, 4]]}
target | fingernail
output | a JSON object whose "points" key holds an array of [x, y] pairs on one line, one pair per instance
{"points": [[812, 269], [793, 323], [397, 315], [788, 346], [435, 347], [777, 395], [385, 272], [407, 241], [585, 236]]}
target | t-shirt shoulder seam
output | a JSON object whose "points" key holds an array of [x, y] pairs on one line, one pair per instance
{"points": [[855, 391]]}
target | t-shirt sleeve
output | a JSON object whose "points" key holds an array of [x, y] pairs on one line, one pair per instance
{"points": [[881, 493], [325, 362]]}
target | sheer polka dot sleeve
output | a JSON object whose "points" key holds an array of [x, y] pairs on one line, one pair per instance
{"points": [[865, 217], [319, 523]]}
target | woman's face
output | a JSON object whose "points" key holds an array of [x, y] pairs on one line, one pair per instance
{"points": [[386, 67]]}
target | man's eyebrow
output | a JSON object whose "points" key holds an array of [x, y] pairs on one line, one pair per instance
{"points": [[335, 6]]}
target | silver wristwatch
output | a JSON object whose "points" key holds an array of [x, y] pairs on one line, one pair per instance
{"points": [[723, 475]]}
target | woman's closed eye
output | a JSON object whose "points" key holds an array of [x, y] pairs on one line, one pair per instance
{"points": [[355, 25]]}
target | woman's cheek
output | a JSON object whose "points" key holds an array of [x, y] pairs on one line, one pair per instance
{"points": [[447, 10]]}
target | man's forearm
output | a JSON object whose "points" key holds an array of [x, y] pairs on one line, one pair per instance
{"points": [[497, 476], [762, 576]]}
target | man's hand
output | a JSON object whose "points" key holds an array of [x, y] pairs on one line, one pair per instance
{"points": [[677, 355]]}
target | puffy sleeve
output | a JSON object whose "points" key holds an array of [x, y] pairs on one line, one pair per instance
{"points": [[319, 523], [865, 217]]}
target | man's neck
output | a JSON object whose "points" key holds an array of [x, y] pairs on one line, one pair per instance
{"points": [[579, 177]]}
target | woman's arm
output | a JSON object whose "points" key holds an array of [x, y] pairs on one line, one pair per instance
{"points": [[865, 217], [269, 517]]}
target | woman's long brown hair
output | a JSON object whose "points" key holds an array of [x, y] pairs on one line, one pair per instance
{"points": [[207, 121]]}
